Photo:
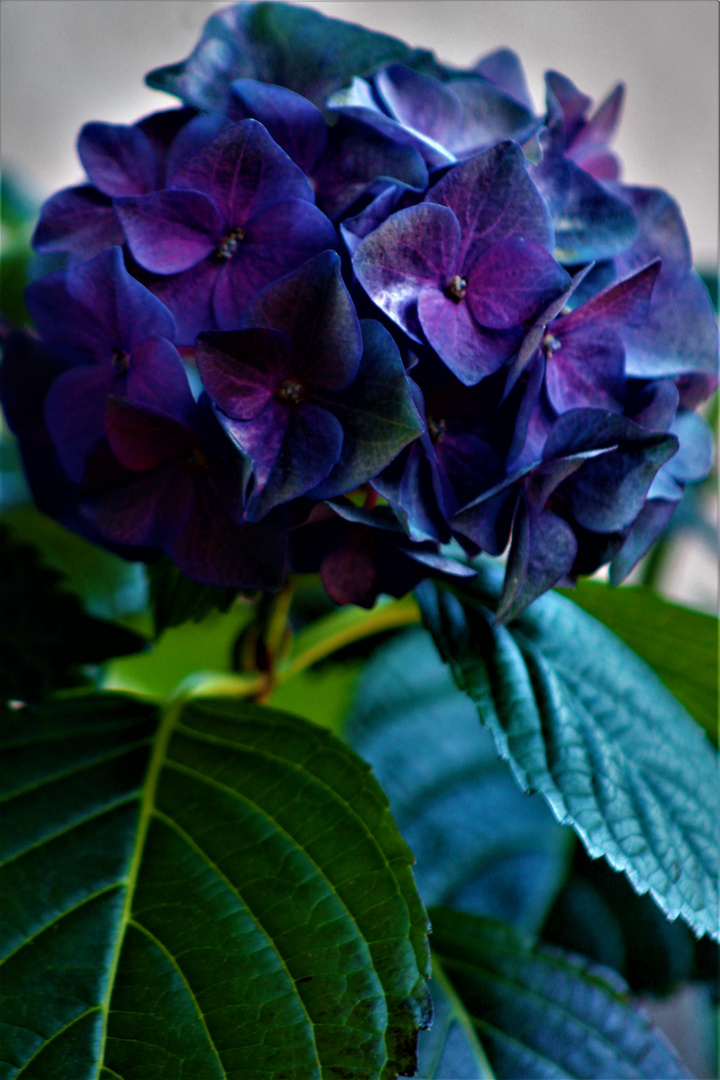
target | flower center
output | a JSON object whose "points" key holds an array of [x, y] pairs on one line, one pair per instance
{"points": [[229, 244], [549, 345], [436, 429], [290, 393], [456, 288], [121, 361]]}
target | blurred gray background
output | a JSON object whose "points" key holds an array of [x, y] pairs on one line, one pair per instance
{"points": [[65, 62]]}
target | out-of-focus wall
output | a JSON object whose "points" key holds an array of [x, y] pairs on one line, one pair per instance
{"points": [[67, 61]]}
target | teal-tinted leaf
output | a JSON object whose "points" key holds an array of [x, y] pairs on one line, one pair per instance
{"points": [[260, 41], [174, 598], [584, 721], [223, 894], [451, 1047], [680, 645], [480, 844], [543, 1013], [17, 216], [45, 636]]}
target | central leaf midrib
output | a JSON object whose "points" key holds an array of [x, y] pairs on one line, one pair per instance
{"points": [[147, 800]]}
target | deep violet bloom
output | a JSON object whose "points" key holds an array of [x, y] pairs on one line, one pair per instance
{"points": [[315, 402], [237, 215], [116, 338], [120, 160], [395, 281], [469, 265]]}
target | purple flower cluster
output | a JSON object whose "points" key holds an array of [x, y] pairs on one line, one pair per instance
{"points": [[346, 306]]}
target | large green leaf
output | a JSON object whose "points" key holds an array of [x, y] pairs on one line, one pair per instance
{"points": [[584, 721], [680, 645], [480, 844], [222, 894], [543, 1013]]}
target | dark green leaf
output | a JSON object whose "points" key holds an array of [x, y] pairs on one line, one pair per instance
{"points": [[543, 1013], [174, 598], [583, 720], [222, 894], [451, 1047], [45, 636], [480, 844], [680, 645], [260, 41]]}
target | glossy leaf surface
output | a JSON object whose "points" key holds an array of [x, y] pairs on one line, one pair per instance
{"points": [[229, 898], [576, 1020], [581, 719]]}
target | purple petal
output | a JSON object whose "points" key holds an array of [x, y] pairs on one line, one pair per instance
{"points": [[419, 102], [624, 304], [694, 458], [510, 281], [292, 448], [489, 117], [243, 171], [466, 348], [78, 220], [573, 103], [503, 68], [189, 297], [214, 550], [156, 375], [243, 371], [354, 229], [494, 198], [652, 520], [75, 413], [487, 521], [599, 129], [278, 241], [413, 249], [313, 307], [654, 405], [542, 552], [149, 512], [661, 233], [143, 437], [680, 335], [193, 136], [170, 231], [119, 159], [290, 119], [97, 307]]}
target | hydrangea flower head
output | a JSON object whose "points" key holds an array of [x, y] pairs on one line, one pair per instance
{"points": [[345, 305]]}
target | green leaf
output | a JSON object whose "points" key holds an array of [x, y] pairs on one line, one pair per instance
{"points": [[680, 645], [479, 843], [219, 894], [543, 1013], [110, 587], [45, 636], [451, 1047], [584, 721], [174, 598], [260, 41]]}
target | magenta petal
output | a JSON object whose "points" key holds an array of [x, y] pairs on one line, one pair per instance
{"points": [[150, 512], [415, 248], [118, 158], [142, 437], [467, 349], [75, 413], [242, 371], [511, 281], [169, 231]]}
